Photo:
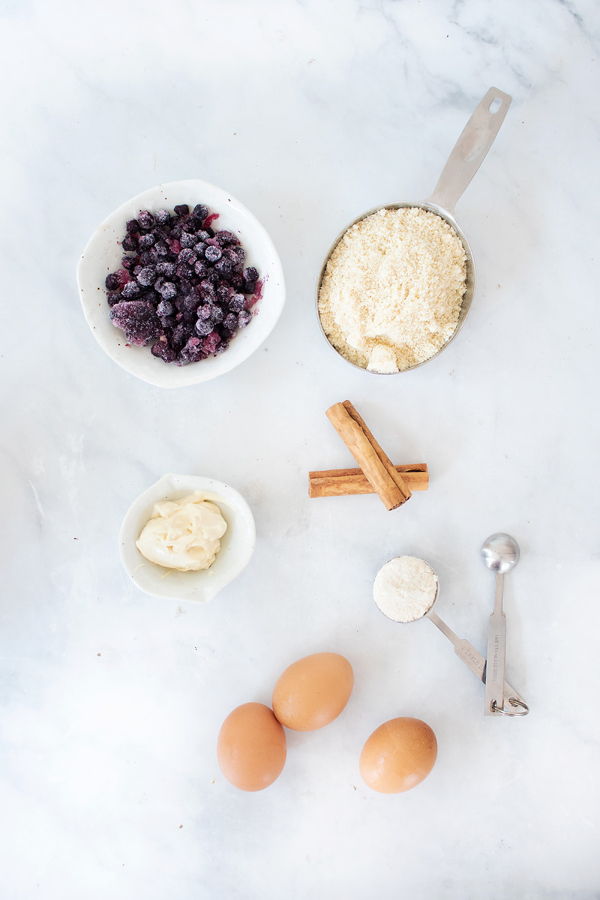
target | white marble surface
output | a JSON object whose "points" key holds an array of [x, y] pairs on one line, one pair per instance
{"points": [[111, 701]]}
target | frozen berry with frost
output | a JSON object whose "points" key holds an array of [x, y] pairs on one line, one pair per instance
{"points": [[225, 237], [129, 242], [210, 343], [165, 308], [113, 297], [164, 267], [244, 318], [204, 327], [182, 209], [167, 290], [146, 219], [163, 351], [130, 291], [132, 226], [200, 212], [112, 282], [187, 239], [237, 303], [137, 319], [191, 351], [162, 216], [187, 255], [230, 322], [212, 253], [146, 241], [146, 276]]}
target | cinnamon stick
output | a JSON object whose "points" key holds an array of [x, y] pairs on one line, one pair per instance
{"points": [[343, 482], [375, 463]]}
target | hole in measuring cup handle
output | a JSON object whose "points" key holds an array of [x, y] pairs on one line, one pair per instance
{"points": [[495, 105]]}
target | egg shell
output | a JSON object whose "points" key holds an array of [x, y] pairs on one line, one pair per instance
{"points": [[398, 755], [313, 691], [251, 749]]}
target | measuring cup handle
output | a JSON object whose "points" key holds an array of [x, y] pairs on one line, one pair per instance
{"points": [[471, 149]]}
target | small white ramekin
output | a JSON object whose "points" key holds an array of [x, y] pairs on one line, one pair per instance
{"points": [[237, 544]]}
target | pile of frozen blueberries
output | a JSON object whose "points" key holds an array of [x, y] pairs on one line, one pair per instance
{"points": [[182, 287]]}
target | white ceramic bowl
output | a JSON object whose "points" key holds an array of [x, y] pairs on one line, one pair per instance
{"points": [[237, 544], [103, 255]]}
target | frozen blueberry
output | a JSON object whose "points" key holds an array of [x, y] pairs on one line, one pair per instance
{"points": [[174, 245], [163, 351], [187, 239], [205, 311], [206, 290], [183, 271], [147, 257], [189, 305], [167, 290], [201, 269], [251, 274], [165, 268], [179, 336], [146, 220], [224, 293], [165, 308], [145, 241], [200, 212], [230, 322], [224, 267], [187, 256], [129, 242], [191, 352], [160, 249], [162, 216], [132, 226], [130, 291], [182, 210], [217, 315], [137, 320], [237, 303], [212, 254], [211, 342], [146, 276], [236, 254], [244, 318], [225, 237], [204, 327], [113, 297], [112, 282]]}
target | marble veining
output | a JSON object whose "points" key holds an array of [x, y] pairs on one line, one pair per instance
{"points": [[310, 113]]}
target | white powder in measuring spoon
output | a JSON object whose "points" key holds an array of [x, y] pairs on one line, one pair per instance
{"points": [[405, 588]]}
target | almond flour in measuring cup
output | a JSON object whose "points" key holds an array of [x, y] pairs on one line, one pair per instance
{"points": [[393, 288]]}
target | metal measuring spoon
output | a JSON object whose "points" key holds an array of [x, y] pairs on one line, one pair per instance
{"points": [[469, 152], [500, 554], [464, 650]]}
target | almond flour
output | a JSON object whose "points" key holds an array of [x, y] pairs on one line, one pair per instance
{"points": [[393, 288]]}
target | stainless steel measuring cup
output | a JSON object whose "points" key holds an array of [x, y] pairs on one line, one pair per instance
{"points": [[469, 152], [514, 704]]}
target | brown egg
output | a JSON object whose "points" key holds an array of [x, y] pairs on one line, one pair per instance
{"points": [[398, 755], [251, 747], [313, 691]]}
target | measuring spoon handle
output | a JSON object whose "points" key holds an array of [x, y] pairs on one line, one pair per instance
{"points": [[471, 149], [477, 664]]}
